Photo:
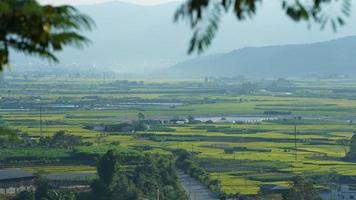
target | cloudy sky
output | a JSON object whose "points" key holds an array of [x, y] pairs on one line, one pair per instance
{"points": [[76, 2]]}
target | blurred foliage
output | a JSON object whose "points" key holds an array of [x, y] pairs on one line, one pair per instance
{"points": [[28, 27], [204, 15]]}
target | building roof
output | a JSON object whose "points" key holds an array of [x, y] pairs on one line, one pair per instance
{"points": [[278, 187], [267, 186], [273, 187], [347, 180], [14, 174]]}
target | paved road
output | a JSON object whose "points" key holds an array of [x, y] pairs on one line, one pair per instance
{"points": [[194, 189]]}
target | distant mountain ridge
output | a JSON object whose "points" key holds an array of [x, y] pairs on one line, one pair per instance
{"points": [[136, 38], [331, 57]]}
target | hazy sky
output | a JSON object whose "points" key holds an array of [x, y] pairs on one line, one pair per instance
{"points": [[76, 2], [146, 38]]}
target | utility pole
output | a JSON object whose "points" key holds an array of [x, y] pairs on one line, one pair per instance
{"points": [[295, 141], [219, 172], [190, 179], [41, 131], [193, 156], [157, 193], [41, 121], [46, 128], [297, 119], [190, 188]]}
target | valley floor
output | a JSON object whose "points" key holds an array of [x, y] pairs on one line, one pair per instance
{"points": [[243, 139]]}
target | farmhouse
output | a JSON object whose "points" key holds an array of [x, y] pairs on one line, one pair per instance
{"points": [[99, 128], [229, 150], [273, 189], [344, 188], [152, 121], [15, 180], [178, 121]]}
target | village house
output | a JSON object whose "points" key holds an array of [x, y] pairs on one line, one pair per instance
{"points": [[273, 191], [13, 181], [344, 188]]}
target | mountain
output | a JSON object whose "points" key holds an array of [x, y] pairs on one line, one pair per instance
{"points": [[138, 38], [331, 57]]}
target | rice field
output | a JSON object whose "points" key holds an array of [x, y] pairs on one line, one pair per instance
{"points": [[264, 152]]}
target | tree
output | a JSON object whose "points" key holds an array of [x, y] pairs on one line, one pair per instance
{"points": [[302, 190], [108, 167], [13, 137], [63, 140], [30, 28], [140, 116], [139, 179], [125, 190], [191, 119], [351, 155], [42, 188], [204, 15], [344, 145], [107, 170], [146, 175]]}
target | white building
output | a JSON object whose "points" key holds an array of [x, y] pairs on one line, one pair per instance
{"points": [[99, 128], [344, 189]]}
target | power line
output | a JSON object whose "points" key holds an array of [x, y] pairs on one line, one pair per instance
{"points": [[295, 142], [41, 131]]}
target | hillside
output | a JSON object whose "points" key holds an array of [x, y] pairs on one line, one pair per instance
{"points": [[331, 57]]}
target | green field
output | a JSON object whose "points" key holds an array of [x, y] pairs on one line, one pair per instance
{"points": [[265, 150]]}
